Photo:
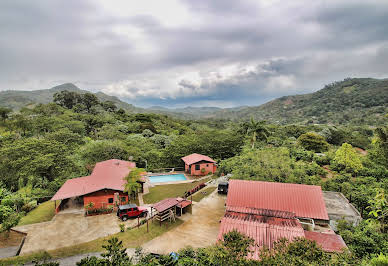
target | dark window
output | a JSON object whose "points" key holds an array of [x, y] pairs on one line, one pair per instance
{"points": [[207, 165], [110, 200], [197, 167], [123, 198]]}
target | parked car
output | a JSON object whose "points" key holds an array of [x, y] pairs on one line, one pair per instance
{"points": [[131, 210], [223, 187]]}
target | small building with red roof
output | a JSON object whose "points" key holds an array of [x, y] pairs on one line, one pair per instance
{"points": [[199, 165], [104, 187]]}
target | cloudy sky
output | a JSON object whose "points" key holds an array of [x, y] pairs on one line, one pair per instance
{"points": [[191, 52]]}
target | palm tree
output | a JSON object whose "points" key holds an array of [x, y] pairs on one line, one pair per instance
{"points": [[132, 185], [257, 130]]}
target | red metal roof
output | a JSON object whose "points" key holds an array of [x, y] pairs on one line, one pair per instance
{"points": [[262, 229], [106, 175], [195, 158], [184, 204], [168, 203], [328, 242], [263, 212], [165, 204], [304, 200]]}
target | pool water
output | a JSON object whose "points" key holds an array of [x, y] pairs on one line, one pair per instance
{"points": [[167, 178]]}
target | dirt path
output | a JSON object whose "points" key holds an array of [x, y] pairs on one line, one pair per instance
{"points": [[361, 151], [199, 229], [330, 174]]}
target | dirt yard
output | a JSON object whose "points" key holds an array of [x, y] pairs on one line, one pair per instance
{"points": [[69, 228], [199, 229]]}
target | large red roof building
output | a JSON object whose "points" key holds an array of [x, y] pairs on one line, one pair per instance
{"points": [[106, 181], [304, 200], [198, 164], [268, 211]]}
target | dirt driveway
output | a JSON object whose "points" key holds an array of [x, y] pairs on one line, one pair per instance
{"points": [[199, 229], [69, 228]]}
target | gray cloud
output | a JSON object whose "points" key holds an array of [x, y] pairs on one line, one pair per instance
{"points": [[191, 52]]}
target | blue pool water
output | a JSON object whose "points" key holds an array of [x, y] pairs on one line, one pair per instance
{"points": [[167, 178]]}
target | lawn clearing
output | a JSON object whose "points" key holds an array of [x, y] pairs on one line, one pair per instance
{"points": [[43, 213], [131, 239], [203, 193], [160, 192]]}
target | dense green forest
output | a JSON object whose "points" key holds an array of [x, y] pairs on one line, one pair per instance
{"points": [[44, 145]]}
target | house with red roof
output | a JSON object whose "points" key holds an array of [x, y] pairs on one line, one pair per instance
{"points": [[104, 187], [199, 165], [269, 211]]}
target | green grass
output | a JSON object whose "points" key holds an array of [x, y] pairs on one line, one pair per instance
{"points": [[43, 213], [158, 193], [203, 193], [131, 239]]}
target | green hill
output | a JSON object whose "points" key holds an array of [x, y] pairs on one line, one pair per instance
{"points": [[358, 100], [18, 99]]}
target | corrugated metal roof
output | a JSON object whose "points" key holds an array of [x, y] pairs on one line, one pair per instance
{"points": [[168, 203], [184, 204], [264, 212], [165, 204], [303, 200], [263, 230], [195, 157], [106, 175], [328, 242]]}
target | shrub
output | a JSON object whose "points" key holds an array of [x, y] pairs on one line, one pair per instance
{"points": [[313, 142], [122, 228], [346, 159]]}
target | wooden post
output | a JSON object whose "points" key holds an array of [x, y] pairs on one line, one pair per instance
{"points": [[147, 225], [138, 222]]}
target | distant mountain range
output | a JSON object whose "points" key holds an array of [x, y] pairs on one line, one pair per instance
{"points": [[357, 100]]}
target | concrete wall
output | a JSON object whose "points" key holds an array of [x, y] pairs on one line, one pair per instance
{"points": [[101, 198], [209, 168]]}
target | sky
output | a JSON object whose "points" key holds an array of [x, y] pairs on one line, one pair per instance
{"points": [[172, 53]]}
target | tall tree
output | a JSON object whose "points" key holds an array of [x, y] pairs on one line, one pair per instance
{"points": [[132, 185], [4, 112], [257, 130], [67, 99]]}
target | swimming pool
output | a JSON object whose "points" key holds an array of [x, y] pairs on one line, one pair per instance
{"points": [[167, 178]]}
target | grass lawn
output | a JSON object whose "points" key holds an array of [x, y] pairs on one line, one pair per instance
{"points": [[131, 239], [203, 193], [158, 193], [43, 213]]}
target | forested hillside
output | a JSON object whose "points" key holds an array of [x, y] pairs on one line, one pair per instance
{"points": [[352, 101], [19, 99]]}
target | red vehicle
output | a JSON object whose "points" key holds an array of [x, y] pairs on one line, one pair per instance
{"points": [[131, 210]]}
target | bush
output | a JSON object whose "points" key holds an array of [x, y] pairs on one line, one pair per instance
{"points": [[313, 142], [30, 206], [122, 228]]}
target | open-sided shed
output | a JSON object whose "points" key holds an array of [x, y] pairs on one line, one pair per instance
{"points": [[168, 208]]}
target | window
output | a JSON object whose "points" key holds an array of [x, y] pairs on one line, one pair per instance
{"points": [[123, 199], [207, 165], [197, 167], [110, 200]]}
